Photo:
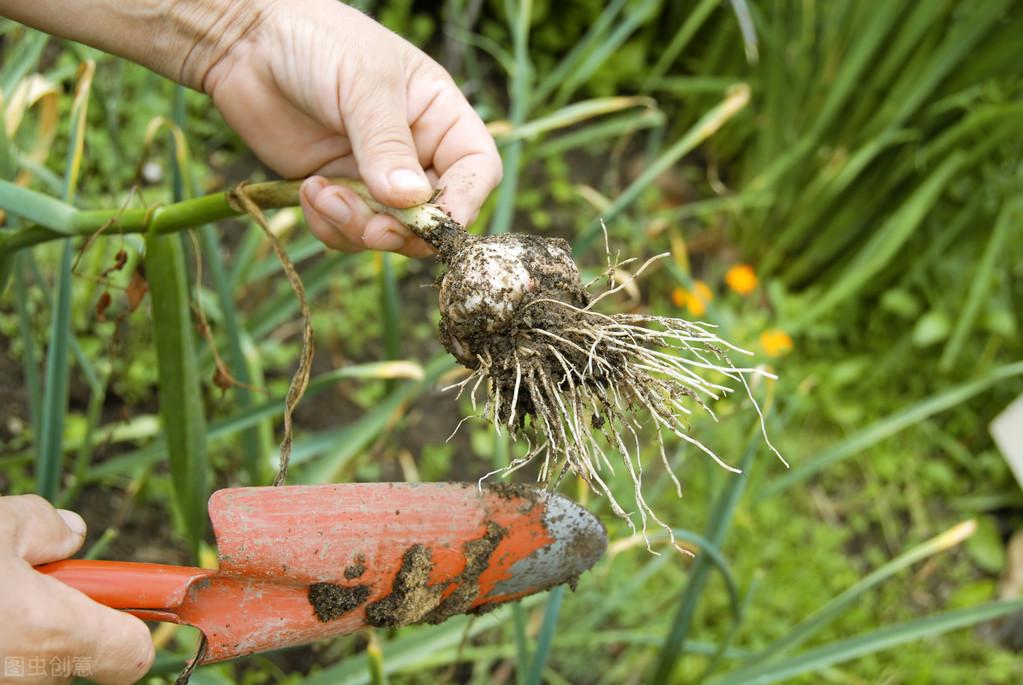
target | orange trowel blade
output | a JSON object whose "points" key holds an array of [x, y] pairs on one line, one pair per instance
{"points": [[301, 563]]}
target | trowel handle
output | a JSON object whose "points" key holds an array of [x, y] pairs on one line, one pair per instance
{"points": [[127, 584]]}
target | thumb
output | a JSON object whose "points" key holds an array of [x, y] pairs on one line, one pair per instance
{"points": [[377, 124], [39, 532]]}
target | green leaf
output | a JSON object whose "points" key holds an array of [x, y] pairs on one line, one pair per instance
{"points": [[639, 13], [574, 114], [839, 604], [252, 445], [416, 645], [242, 420], [890, 425], [695, 18], [703, 129], [595, 35], [29, 343], [390, 305], [49, 459], [931, 328], [37, 208], [986, 547], [375, 655], [55, 397], [883, 244], [522, 656], [26, 57], [546, 637], [870, 643], [717, 527], [331, 450], [1009, 219], [7, 268], [181, 401], [519, 92]]}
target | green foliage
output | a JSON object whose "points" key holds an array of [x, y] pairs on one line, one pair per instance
{"points": [[863, 157], [181, 407]]}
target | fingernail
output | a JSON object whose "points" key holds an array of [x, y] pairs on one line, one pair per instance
{"points": [[386, 240], [315, 182], [405, 181], [312, 187], [335, 210], [73, 521]]}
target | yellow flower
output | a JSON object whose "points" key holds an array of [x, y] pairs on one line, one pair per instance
{"points": [[678, 297], [741, 279], [775, 342], [695, 301]]}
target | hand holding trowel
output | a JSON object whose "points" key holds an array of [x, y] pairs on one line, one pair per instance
{"points": [[302, 563]]}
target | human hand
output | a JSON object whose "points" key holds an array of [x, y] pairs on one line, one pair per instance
{"points": [[316, 87], [48, 623]]}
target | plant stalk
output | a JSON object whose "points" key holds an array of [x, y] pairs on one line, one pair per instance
{"points": [[428, 221]]}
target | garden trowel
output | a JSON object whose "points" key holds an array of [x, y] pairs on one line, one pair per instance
{"points": [[301, 563]]}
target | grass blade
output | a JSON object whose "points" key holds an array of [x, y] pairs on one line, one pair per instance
{"points": [[838, 604], [570, 115], [181, 401], [28, 342], [377, 670], [720, 520], [884, 244], [638, 15], [255, 454], [748, 31], [521, 643], [55, 397], [37, 208], [252, 445], [870, 643], [703, 129], [850, 75], [415, 646], [570, 64], [957, 46], [694, 20], [1011, 217], [610, 128], [390, 305], [334, 449], [26, 57], [519, 92], [546, 637], [231, 426], [890, 425], [7, 268], [180, 393], [706, 547], [283, 305], [54, 406]]}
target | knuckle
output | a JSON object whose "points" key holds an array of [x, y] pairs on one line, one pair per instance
{"points": [[372, 83], [19, 511], [387, 141], [33, 502]]}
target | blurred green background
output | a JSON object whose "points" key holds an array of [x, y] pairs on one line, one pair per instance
{"points": [[840, 187]]}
